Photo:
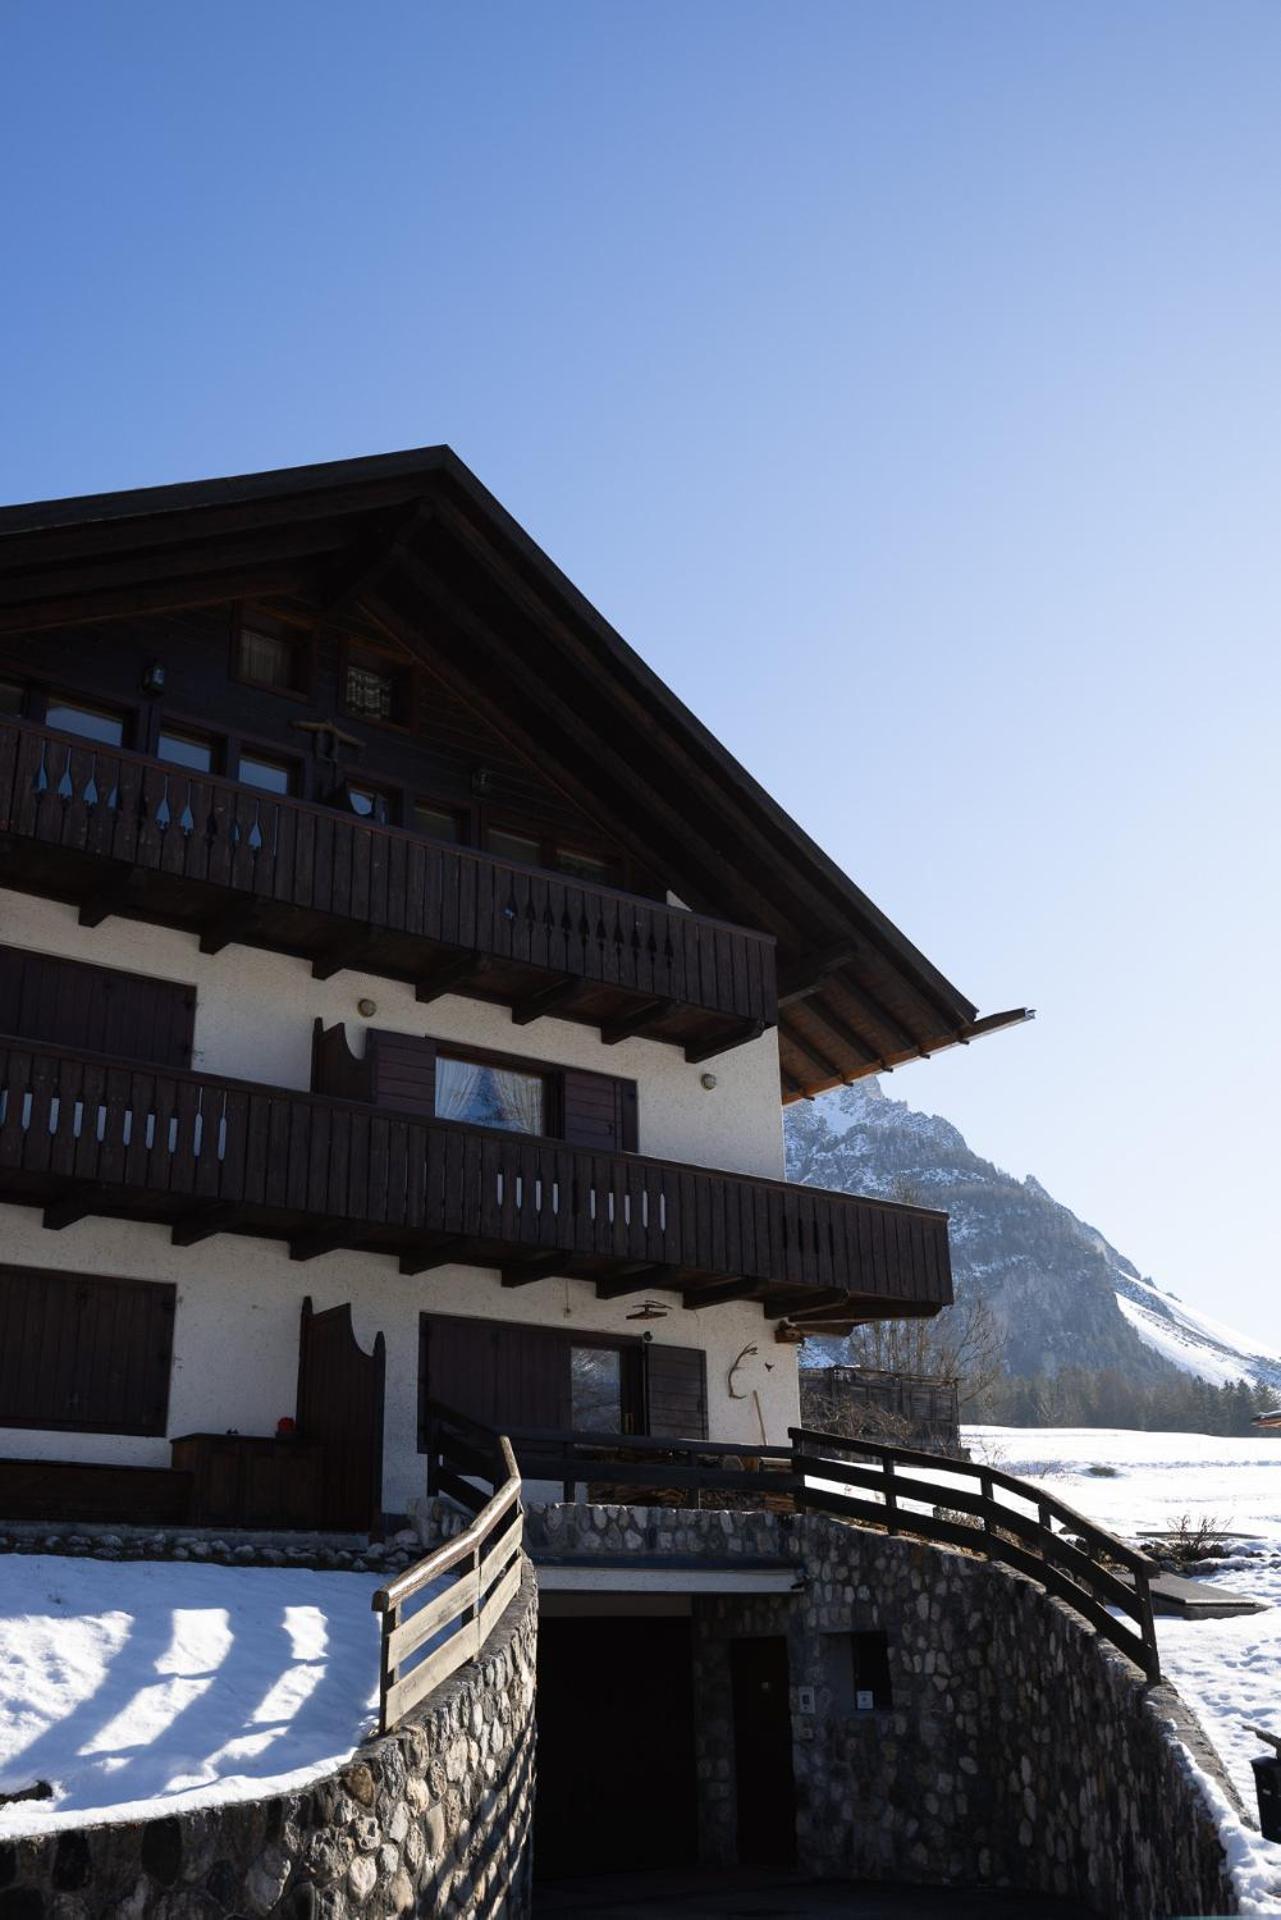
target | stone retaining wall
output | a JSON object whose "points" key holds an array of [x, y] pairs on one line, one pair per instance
{"points": [[433, 1818], [1017, 1750]]}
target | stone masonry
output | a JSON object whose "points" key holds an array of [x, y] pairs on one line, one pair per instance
{"points": [[432, 1819], [1018, 1749]]}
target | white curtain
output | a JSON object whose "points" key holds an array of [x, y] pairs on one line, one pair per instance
{"points": [[457, 1087]]}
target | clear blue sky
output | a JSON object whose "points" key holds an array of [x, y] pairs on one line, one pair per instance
{"points": [[902, 381]]}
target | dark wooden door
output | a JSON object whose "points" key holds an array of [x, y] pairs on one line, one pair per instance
{"points": [[616, 1781], [763, 1752], [340, 1408]]}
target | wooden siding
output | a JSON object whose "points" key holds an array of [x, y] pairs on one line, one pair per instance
{"points": [[123, 833], [81, 1353], [96, 1009], [89, 1134]]}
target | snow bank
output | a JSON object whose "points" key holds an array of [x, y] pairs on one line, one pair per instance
{"points": [[1228, 1671], [140, 1688]]}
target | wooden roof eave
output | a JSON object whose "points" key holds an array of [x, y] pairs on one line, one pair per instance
{"points": [[357, 538]]}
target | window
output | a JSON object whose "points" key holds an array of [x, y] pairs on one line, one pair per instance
{"points": [[374, 688], [186, 750], [437, 823], [368, 802], [95, 1352], [91, 723], [491, 1096], [586, 866], [268, 655], [596, 1390], [514, 846], [273, 776]]}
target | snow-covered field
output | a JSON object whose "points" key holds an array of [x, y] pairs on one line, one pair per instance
{"points": [[1228, 1671], [135, 1688]]}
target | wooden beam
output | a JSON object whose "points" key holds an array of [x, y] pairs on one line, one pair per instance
{"points": [[640, 1280], [629, 1026], [353, 952], [548, 1000], [793, 1039], [231, 923], [111, 603], [806, 976], [719, 1295], [443, 1254], [201, 1224], [119, 893], [820, 1011], [452, 976], [708, 1049], [310, 1246], [70, 1207], [524, 1272], [794, 1302]]}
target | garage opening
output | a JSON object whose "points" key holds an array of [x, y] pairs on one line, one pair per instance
{"points": [[616, 1775]]}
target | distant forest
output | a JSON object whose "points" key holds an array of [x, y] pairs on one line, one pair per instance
{"points": [[1080, 1397]]}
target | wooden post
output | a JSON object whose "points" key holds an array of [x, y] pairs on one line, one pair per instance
{"points": [[891, 1502], [389, 1621], [988, 1492], [1147, 1625], [1046, 1519]]}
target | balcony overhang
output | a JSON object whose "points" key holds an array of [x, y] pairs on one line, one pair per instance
{"points": [[119, 833], [413, 547], [81, 1134]]}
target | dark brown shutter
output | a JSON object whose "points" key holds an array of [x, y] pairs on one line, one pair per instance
{"points": [[68, 1003], [676, 1392], [84, 1354], [403, 1072], [503, 1375], [599, 1111]]}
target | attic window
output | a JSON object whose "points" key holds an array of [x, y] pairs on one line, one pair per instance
{"points": [[268, 654], [374, 689]]}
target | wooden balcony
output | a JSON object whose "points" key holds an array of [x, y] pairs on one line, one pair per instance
{"points": [[81, 1134], [116, 832]]}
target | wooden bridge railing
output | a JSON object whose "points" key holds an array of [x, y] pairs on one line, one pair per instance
{"points": [[900, 1491], [935, 1497], [468, 1582], [276, 852]]}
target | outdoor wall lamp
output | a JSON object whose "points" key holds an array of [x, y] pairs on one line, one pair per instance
{"points": [[153, 677]]}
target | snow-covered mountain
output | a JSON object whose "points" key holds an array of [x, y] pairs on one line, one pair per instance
{"points": [[1061, 1294]]}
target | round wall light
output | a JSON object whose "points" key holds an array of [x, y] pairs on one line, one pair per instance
{"points": [[366, 1009], [707, 1080]]}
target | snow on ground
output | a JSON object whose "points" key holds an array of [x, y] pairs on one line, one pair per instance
{"points": [[1228, 1671], [136, 1688]]}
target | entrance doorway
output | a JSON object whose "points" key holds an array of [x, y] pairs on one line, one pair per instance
{"points": [[763, 1775], [616, 1777]]}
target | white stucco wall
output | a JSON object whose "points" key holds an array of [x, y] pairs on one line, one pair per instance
{"points": [[236, 1336], [239, 1299], [254, 1014]]}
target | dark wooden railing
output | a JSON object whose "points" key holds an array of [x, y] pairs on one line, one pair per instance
{"points": [[209, 1150], [294, 857], [935, 1497], [898, 1490], [476, 1574]]}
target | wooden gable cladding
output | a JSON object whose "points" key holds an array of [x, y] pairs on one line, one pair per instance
{"points": [[411, 547], [82, 1353], [71, 1003]]}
